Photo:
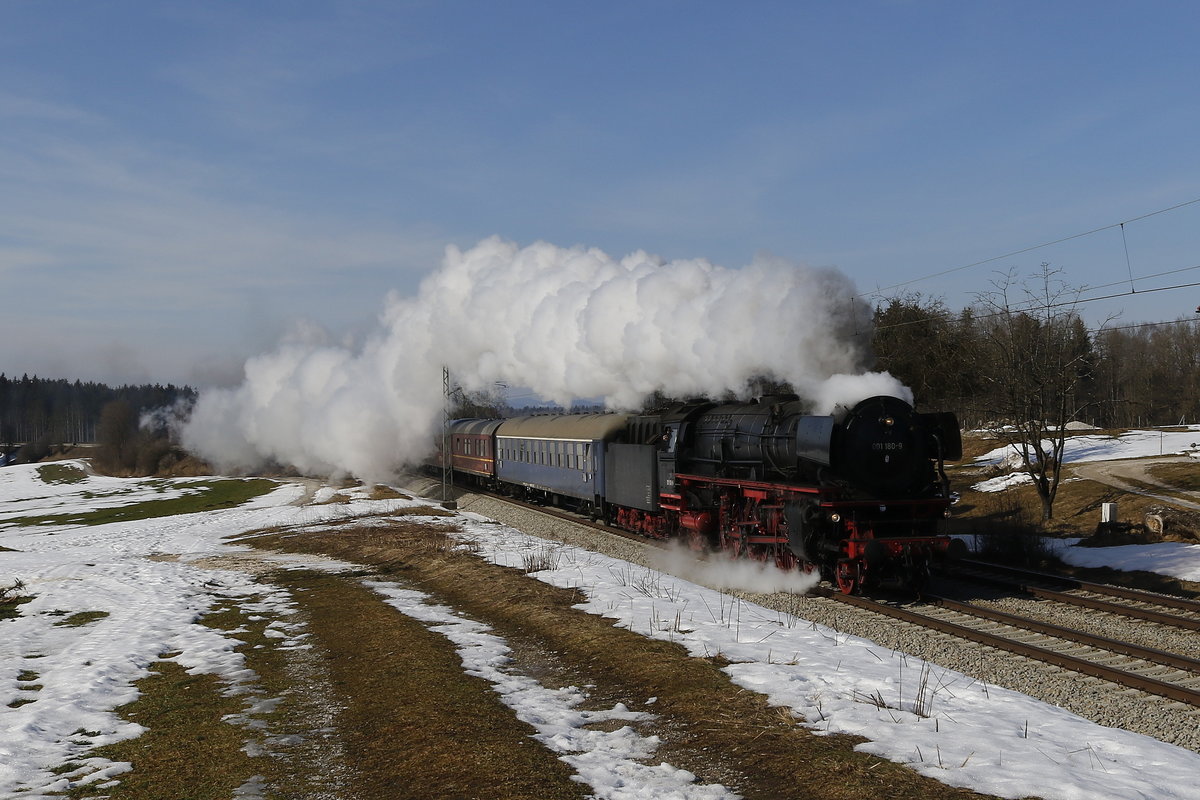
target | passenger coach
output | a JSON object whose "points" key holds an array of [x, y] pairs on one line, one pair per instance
{"points": [[472, 448], [558, 454]]}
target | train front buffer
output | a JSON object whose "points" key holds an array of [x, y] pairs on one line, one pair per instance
{"points": [[886, 545]]}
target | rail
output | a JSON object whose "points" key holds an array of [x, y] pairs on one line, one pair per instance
{"points": [[1080, 665]]}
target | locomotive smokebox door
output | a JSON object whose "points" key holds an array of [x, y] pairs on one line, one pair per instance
{"points": [[882, 448]]}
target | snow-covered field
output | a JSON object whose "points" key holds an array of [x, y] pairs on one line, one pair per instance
{"points": [[1131, 444], [1095, 447], [151, 579], [1168, 558]]}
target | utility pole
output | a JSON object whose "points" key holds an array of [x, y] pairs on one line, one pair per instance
{"points": [[447, 476]]}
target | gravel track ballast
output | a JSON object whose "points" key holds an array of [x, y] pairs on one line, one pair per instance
{"points": [[1091, 698]]}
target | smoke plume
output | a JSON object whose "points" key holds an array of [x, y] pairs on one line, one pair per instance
{"points": [[567, 323], [722, 571]]}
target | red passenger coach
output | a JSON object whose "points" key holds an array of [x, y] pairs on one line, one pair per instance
{"points": [[472, 446]]}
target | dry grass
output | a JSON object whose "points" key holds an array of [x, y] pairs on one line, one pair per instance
{"points": [[1076, 507], [1013, 518], [411, 723], [1182, 477], [337, 498], [713, 728], [81, 618], [188, 751], [381, 492], [61, 473], [10, 597]]}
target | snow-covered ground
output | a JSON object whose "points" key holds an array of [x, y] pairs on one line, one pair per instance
{"points": [[1167, 558], [152, 578], [1131, 444]]}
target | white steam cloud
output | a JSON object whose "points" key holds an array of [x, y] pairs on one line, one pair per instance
{"points": [[721, 571], [567, 323]]}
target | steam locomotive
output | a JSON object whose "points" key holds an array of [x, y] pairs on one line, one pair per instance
{"points": [[857, 495]]}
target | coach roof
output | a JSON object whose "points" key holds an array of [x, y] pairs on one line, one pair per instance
{"points": [[477, 427], [585, 427]]}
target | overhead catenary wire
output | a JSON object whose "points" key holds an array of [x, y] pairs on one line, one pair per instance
{"points": [[1128, 264], [1030, 249], [1079, 298], [1075, 302]]}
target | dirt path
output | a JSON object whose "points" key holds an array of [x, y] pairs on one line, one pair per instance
{"points": [[412, 724], [1126, 475]]}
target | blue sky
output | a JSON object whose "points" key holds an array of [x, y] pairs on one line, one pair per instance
{"points": [[183, 181]]}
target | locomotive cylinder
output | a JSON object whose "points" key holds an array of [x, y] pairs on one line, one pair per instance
{"points": [[702, 522]]}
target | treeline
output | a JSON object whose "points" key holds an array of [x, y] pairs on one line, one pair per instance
{"points": [[995, 363], [45, 413]]}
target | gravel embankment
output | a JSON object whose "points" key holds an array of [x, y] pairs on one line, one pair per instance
{"points": [[1088, 697]]}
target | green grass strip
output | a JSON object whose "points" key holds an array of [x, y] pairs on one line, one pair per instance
{"points": [[212, 496], [61, 473]]}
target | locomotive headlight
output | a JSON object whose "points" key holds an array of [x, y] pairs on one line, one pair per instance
{"points": [[888, 421], [835, 517]]}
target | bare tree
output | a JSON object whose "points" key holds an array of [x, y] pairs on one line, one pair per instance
{"points": [[116, 436], [486, 403], [1038, 360]]}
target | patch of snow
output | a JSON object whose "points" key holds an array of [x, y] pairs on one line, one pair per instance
{"points": [[1131, 444], [154, 578], [1002, 482], [608, 761], [970, 734], [1174, 559]]}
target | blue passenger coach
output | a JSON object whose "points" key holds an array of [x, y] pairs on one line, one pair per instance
{"points": [[558, 454]]}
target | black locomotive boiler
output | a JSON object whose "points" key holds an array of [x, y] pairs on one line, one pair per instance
{"points": [[857, 495]]}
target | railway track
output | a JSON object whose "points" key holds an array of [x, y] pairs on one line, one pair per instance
{"points": [[1158, 672], [1173, 676], [1162, 609]]}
